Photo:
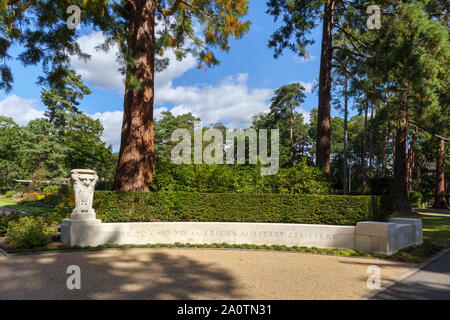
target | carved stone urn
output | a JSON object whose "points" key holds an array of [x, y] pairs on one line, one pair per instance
{"points": [[83, 182]]}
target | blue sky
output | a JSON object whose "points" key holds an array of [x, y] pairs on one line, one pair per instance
{"points": [[232, 92]]}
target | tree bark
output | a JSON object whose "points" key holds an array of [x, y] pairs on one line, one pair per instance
{"points": [[384, 145], [136, 167], [401, 162], [411, 161], [364, 153], [346, 131], [383, 150], [439, 196], [292, 135], [323, 143], [371, 141]]}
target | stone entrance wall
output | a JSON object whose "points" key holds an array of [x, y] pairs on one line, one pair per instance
{"points": [[83, 229], [384, 238]]}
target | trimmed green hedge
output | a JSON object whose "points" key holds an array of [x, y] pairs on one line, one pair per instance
{"points": [[210, 207]]}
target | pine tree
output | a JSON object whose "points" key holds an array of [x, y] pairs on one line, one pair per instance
{"points": [[284, 102]]}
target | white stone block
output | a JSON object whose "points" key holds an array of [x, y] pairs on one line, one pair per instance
{"points": [[320, 236], [376, 237], [417, 228]]}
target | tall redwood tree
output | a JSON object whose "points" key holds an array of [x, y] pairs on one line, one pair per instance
{"points": [[143, 29]]}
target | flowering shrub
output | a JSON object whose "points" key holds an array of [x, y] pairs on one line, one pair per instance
{"points": [[66, 206], [30, 197]]}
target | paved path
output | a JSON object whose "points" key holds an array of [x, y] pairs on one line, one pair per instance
{"points": [[439, 211], [191, 274], [430, 283], [6, 211]]}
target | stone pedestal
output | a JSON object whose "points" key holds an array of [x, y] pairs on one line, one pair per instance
{"points": [[83, 182], [79, 232], [82, 220]]}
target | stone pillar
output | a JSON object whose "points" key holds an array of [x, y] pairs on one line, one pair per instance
{"points": [[83, 182], [82, 222]]}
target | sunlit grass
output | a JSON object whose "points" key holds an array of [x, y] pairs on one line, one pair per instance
{"points": [[35, 208]]}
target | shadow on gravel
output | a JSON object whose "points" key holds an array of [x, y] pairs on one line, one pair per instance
{"points": [[115, 274]]}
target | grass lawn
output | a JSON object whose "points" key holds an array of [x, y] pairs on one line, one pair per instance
{"points": [[35, 208]]}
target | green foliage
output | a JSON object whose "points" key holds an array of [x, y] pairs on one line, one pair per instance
{"points": [[290, 153], [29, 232], [5, 220], [415, 198], [301, 179], [299, 19], [38, 179], [213, 207], [51, 190], [9, 194], [383, 186], [43, 151], [46, 38], [64, 95], [164, 129]]}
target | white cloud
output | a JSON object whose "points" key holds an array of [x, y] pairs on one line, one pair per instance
{"points": [[112, 125], [307, 85], [21, 110], [101, 71], [231, 101], [298, 59]]}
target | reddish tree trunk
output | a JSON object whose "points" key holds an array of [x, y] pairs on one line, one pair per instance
{"points": [[371, 142], [323, 143], [401, 163], [346, 130], [363, 158], [136, 167], [291, 137], [439, 196], [411, 161], [383, 150]]}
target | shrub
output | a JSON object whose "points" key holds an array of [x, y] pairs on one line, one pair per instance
{"points": [[10, 193], [55, 195], [31, 197], [203, 178], [51, 190], [55, 218], [264, 208], [29, 232], [5, 220], [52, 199], [415, 199]]}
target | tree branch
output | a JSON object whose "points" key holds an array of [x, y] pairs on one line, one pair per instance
{"points": [[429, 131], [350, 35], [359, 54], [171, 11]]}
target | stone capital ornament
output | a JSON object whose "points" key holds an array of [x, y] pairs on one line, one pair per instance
{"points": [[83, 182]]}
